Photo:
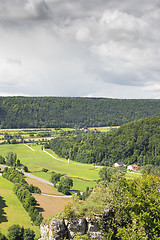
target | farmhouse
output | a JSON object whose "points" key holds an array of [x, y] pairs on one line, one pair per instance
{"points": [[133, 167], [119, 164]]}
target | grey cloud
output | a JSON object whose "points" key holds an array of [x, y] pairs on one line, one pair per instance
{"points": [[14, 61], [80, 45], [16, 13]]}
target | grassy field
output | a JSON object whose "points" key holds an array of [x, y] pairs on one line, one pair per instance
{"points": [[104, 129], [26, 133], [41, 132], [36, 160], [12, 211], [83, 175], [130, 175]]}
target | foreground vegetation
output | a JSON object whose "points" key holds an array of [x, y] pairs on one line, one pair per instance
{"points": [[55, 112], [126, 209]]}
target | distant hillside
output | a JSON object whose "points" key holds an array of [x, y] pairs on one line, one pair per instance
{"points": [[30, 112], [134, 142]]}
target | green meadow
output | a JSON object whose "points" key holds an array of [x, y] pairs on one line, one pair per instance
{"points": [[83, 174], [104, 129], [130, 175], [12, 210]]}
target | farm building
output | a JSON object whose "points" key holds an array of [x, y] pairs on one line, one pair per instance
{"points": [[119, 164], [133, 167]]}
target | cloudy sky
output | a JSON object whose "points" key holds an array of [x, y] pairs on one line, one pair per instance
{"points": [[94, 48]]}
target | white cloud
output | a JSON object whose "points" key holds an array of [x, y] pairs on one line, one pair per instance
{"points": [[75, 48], [83, 34]]}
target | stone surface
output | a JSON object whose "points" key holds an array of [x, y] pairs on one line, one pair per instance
{"points": [[78, 225], [92, 230], [44, 229], [59, 229], [56, 230]]}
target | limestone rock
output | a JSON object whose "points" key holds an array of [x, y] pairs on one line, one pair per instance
{"points": [[55, 231], [58, 229], [93, 229], [75, 226], [44, 229]]}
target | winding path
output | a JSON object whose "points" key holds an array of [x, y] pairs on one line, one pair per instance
{"points": [[29, 147], [42, 180]]}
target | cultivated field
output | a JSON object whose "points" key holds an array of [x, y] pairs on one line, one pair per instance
{"points": [[51, 203]]}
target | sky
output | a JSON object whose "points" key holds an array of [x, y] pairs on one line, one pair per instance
{"points": [[80, 48]]}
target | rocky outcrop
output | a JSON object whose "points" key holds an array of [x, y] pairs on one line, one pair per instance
{"points": [[55, 230], [59, 229], [77, 225]]}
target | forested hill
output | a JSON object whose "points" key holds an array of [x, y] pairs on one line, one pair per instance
{"points": [[134, 142], [30, 112]]}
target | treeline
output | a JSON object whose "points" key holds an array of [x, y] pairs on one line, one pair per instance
{"points": [[135, 142], [47, 112], [16, 232], [23, 191], [11, 160]]}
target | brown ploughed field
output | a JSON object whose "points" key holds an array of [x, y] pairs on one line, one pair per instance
{"points": [[45, 188], [48, 205]]}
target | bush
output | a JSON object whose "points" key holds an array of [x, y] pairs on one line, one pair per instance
{"points": [[45, 170], [28, 234], [16, 232], [25, 169], [2, 237]]}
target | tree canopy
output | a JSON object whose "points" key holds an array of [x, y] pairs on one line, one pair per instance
{"points": [[33, 112], [134, 142]]}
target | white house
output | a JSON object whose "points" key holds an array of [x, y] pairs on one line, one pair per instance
{"points": [[119, 164]]}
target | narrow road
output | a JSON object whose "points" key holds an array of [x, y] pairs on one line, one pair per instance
{"points": [[31, 176], [54, 157], [41, 180], [67, 161], [50, 195]]}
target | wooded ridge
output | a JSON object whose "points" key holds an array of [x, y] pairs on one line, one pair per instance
{"points": [[32, 112], [134, 142]]}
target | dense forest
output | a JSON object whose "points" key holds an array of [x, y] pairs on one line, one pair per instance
{"points": [[32, 112], [134, 142]]}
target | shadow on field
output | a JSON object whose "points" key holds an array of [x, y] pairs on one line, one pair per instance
{"points": [[39, 209], [2, 212]]}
